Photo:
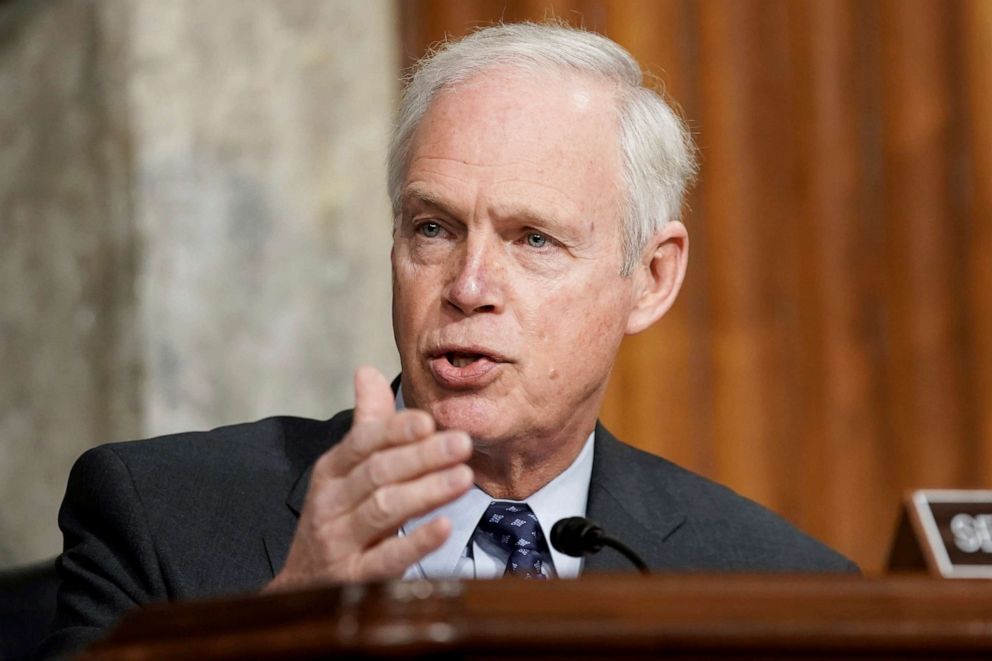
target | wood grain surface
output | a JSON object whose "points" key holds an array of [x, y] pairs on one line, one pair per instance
{"points": [[599, 617]]}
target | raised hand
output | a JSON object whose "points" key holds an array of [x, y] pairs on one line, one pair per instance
{"points": [[391, 466]]}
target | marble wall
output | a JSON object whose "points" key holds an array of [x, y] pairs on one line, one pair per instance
{"points": [[194, 228]]}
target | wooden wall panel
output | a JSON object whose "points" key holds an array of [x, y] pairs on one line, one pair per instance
{"points": [[975, 32], [923, 311], [839, 397], [833, 342]]}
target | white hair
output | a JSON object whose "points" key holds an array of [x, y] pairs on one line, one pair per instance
{"points": [[657, 154]]}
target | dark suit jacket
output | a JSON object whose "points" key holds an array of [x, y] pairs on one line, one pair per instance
{"points": [[208, 513]]}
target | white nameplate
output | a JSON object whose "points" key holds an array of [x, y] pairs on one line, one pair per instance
{"points": [[957, 531]]}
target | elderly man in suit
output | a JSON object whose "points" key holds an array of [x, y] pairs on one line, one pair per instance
{"points": [[536, 187]]}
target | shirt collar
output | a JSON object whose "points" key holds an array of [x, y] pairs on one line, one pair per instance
{"points": [[562, 497]]}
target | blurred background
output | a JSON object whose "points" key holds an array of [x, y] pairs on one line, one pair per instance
{"points": [[194, 231]]}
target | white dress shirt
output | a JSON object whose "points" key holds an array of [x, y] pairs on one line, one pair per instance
{"points": [[467, 555]]}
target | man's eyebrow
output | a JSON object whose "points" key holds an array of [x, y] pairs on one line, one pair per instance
{"points": [[546, 218], [415, 194]]}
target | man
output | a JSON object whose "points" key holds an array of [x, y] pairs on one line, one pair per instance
{"points": [[536, 187]]}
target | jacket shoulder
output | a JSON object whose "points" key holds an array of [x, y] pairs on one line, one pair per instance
{"points": [[718, 528], [295, 439], [177, 516], [224, 484]]}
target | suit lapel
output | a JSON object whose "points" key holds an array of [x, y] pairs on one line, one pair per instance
{"points": [[302, 451], [629, 505], [294, 501]]}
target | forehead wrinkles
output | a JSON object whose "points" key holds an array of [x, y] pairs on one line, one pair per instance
{"points": [[533, 201], [580, 88], [538, 128], [502, 104]]}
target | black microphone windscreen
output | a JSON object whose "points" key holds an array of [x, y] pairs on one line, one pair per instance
{"points": [[576, 536]]}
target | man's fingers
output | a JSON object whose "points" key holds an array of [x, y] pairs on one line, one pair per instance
{"points": [[376, 425], [382, 513], [365, 439], [391, 557], [400, 428], [373, 396], [404, 463], [391, 466]]}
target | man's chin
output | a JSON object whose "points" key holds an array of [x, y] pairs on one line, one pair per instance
{"points": [[482, 413], [477, 416]]}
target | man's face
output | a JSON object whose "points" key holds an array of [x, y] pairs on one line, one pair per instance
{"points": [[508, 304]]}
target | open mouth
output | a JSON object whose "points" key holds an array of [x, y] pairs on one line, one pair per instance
{"points": [[459, 359], [464, 367]]}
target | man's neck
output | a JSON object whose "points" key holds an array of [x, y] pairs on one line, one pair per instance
{"points": [[513, 471], [515, 468]]}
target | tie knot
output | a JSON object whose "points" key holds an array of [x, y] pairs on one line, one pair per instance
{"points": [[515, 528]]}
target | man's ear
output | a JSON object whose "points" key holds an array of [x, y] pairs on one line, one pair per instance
{"points": [[659, 276]]}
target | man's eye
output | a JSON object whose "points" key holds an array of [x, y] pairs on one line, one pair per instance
{"points": [[429, 229], [536, 240]]}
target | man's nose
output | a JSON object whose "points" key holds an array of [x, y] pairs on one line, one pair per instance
{"points": [[476, 284]]}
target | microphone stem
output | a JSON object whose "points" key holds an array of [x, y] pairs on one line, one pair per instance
{"points": [[624, 550]]}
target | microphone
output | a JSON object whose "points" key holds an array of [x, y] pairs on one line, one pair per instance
{"points": [[577, 536]]}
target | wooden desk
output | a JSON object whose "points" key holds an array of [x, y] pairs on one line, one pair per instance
{"points": [[677, 616]]}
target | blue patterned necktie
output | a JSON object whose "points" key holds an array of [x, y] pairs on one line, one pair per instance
{"points": [[513, 527]]}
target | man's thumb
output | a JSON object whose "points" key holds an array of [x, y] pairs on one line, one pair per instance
{"points": [[373, 396]]}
